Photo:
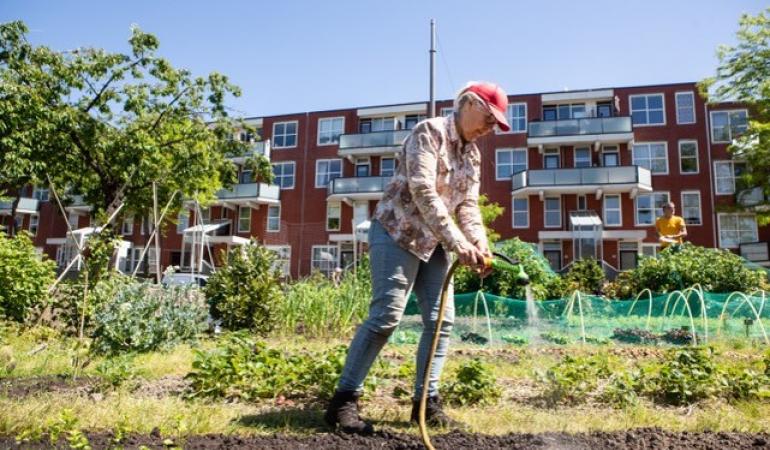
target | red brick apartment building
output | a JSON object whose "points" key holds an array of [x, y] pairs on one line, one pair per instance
{"points": [[581, 173]]}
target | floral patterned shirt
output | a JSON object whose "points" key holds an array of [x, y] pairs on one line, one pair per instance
{"points": [[433, 196]]}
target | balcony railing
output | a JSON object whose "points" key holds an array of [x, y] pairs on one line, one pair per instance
{"points": [[246, 191], [588, 176], [750, 197], [26, 205], [357, 185], [578, 127], [377, 139]]}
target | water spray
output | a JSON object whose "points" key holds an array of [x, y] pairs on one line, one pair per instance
{"points": [[498, 262]]}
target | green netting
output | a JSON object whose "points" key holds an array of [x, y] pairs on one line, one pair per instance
{"points": [[711, 316]]}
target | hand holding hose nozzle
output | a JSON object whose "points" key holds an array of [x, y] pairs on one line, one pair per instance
{"points": [[507, 264]]}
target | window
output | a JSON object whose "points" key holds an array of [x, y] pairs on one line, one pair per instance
{"points": [[387, 167], [413, 119], [564, 112], [447, 112], [583, 157], [34, 223], [509, 162], [376, 124], [330, 129], [517, 117], [582, 203], [551, 158], [691, 207], [363, 167], [74, 220], [552, 252], [688, 157], [552, 212], [612, 212], [604, 109], [284, 134], [40, 194], [628, 255], [182, 221], [333, 215], [284, 174], [650, 250], [685, 108], [245, 177], [274, 218], [649, 207], [647, 109], [327, 170], [127, 228], [244, 219], [147, 225], [652, 156], [610, 156], [282, 258], [725, 174], [520, 212], [727, 125], [735, 229], [324, 258], [205, 215]]}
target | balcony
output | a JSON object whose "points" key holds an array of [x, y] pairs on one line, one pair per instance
{"points": [[357, 188], [749, 198], [590, 130], [249, 194], [377, 143], [256, 148], [77, 205], [599, 180], [26, 205]]}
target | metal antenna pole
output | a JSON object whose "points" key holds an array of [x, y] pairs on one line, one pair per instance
{"points": [[432, 105]]}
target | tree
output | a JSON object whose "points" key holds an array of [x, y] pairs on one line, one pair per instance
{"points": [[108, 125], [490, 212], [743, 76]]}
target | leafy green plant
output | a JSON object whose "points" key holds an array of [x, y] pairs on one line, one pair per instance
{"points": [[142, 317], [473, 384], [687, 375], [24, 277], [70, 306], [634, 336], [555, 338], [67, 424], [572, 379], [515, 339], [116, 371], [621, 390], [243, 293], [7, 361], [586, 275]]}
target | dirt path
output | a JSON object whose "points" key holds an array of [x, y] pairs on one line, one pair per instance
{"points": [[643, 438]]}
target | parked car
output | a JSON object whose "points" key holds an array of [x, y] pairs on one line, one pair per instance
{"points": [[184, 279]]}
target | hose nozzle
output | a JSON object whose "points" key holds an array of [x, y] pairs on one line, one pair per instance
{"points": [[503, 262]]}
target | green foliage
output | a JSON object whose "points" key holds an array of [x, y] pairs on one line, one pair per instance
{"points": [[571, 380], [242, 368], [142, 317], [317, 307], [687, 375], [70, 305], [585, 275], [620, 391], [116, 371], [489, 213], [555, 338], [473, 383], [514, 339], [24, 277], [716, 270], [244, 292], [543, 281], [67, 425], [7, 361]]}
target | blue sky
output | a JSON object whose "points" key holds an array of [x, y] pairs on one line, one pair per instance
{"points": [[295, 56]]}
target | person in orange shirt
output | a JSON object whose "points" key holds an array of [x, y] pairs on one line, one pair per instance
{"points": [[671, 228]]}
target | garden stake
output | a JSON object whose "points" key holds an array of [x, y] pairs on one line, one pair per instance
{"points": [[499, 262]]}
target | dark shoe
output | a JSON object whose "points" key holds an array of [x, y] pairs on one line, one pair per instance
{"points": [[434, 414], [343, 412]]}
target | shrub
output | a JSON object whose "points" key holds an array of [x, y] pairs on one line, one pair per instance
{"points": [[24, 277], [142, 317], [116, 371], [242, 368], [473, 384], [243, 293], [586, 275], [687, 375], [68, 300], [572, 379]]}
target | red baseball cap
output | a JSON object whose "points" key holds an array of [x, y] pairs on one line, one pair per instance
{"points": [[495, 98]]}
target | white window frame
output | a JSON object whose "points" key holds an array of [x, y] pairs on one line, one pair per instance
{"points": [[381, 166], [649, 146], [655, 214], [512, 151], [276, 219], [512, 119], [732, 163], [619, 209], [283, 174], [296, 134], [553, 151], [655, 249], [317, 264], [676, 101], [514, 211], [444, 112], [41, 194], [34, 223], [282, 259], [647, 110], [585, 202], [329, 207], [610, 149], [147, 225], [682, 207], [729, 123], [697, 156], [127, 229], [318, 163], [333, 140], [546, 211], [242, 219], [720, 230], [575, 157]]}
